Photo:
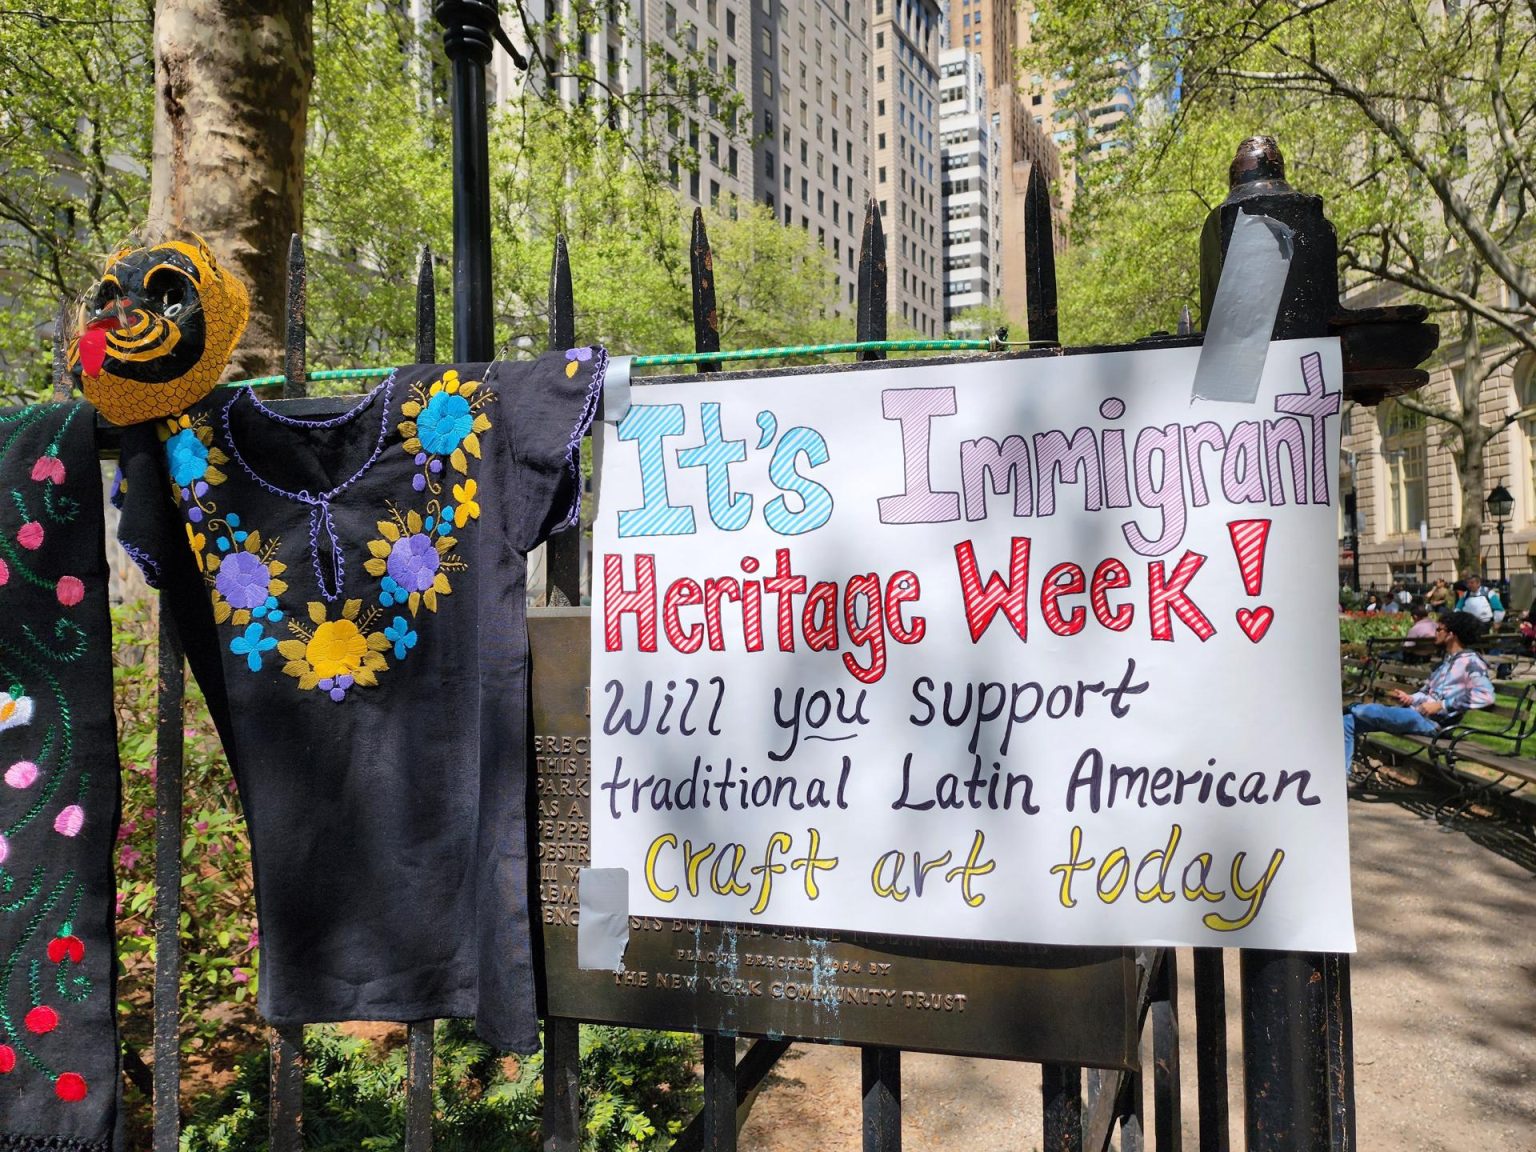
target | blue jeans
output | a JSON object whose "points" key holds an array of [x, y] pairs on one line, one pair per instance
{"points": [[1400, 721]]}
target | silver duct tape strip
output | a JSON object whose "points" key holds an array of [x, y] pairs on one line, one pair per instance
{"points": [[1243, 314], [602, 931]]}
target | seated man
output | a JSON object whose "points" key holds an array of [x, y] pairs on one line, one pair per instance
{"points": [[1458, 684]]}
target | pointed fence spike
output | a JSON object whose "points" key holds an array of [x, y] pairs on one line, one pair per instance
{"points": [[426, 308], [294, 333], [706, 320], [1186, 322], [872, 284], [1039, 259], [562, 300]]}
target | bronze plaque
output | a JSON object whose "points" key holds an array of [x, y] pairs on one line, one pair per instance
{"points": [[974, 998]]}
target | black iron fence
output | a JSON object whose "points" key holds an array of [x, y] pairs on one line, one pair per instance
{"points": [[1295, 1007]]}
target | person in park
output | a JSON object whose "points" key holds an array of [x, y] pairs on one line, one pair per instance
{"points": [[1439, 596], [1458, 684], [1481, 602], [1423, 623]]}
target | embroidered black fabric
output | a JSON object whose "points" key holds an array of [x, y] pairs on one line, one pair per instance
{"points": [[59, 1072], [351, 594]]}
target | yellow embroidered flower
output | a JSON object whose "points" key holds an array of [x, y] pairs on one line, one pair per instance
{"points": [[336, 655], [337, 648], [197, 542], [465, 508]]}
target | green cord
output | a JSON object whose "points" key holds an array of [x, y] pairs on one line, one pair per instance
{"points": [[657, 360]]}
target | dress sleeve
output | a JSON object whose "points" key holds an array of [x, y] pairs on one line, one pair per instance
{"points": [[546, 407], [147, 523]]}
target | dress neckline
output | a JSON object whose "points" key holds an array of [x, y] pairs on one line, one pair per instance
{"points": [[384, 389]]}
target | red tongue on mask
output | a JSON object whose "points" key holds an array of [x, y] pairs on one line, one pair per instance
{"points": [[93, 350]]}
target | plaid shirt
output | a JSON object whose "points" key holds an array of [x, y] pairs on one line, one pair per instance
{"points": [[1460, 682]]}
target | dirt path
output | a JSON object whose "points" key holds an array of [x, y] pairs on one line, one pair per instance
{"points": [[1445, 1023]]}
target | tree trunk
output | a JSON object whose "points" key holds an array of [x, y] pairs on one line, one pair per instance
{"points": [[232, 80]]}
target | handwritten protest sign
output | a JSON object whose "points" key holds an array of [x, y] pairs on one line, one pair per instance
{"points": [[1034, 650]]}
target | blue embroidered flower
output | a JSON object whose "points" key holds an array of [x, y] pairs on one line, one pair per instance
{"points": [[268, 608], [188, 457], [251, 644], [444, 422], [336, 686], [401, 635], [391, 593], [243, 581], [413, 562]]}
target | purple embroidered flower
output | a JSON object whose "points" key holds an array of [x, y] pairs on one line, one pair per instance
{"points": [[187, 457], [243, 580], [336, 686], [413, 562], [444, 422], [581, 354]]}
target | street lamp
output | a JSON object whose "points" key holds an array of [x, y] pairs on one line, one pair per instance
{"points": [[1500, 504]]}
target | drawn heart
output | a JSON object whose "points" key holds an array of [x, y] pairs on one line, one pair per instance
{"points": [[1255, 623]]}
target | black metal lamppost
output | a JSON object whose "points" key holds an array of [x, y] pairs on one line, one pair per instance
{"points": [[1500, 505], [1424, 553]]}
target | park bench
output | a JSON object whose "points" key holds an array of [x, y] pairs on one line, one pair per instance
{"points": [[1488, 757]]}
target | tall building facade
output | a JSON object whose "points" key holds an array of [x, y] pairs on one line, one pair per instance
{"points": [[810, 107], [970, 159], [995, 29], [801, 73], [904, 40]]}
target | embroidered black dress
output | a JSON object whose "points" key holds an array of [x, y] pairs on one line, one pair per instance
{"points": [[351, 595]]}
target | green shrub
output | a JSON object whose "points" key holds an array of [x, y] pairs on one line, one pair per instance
{"points": [[638, 1089], [1358, 627]]}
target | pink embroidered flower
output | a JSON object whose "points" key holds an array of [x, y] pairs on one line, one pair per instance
{"points": [[42, 1020], [70, 591], [5, 849], [48, 468], [30, 535], [5, 573], [7, 1058], [22, 774], [413, 562], [70, 821], [243, 580], [70, 1087]]}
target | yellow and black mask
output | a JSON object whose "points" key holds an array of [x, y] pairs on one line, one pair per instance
{"points": [[158, 331]]}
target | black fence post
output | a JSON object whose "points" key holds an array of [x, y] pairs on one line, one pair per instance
{"points": [[1211, 1049], [872, 283], [468, 35], [561, 1127], [1039, 260], [706, 315], [285, 1116], [1285, 1008], [562, 554]]}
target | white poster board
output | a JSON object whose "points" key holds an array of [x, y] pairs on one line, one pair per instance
{"points": [[1036, 650]]}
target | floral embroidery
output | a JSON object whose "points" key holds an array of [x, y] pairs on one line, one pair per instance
{"points": [[193, 461], [443, 422], [336, 655], [574, 358], [251, 644], [412, 558]]}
